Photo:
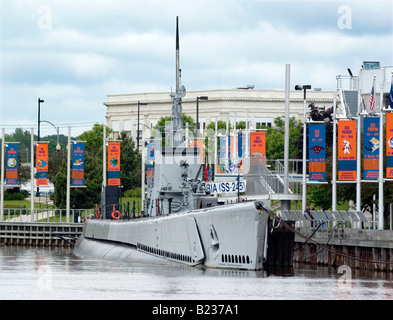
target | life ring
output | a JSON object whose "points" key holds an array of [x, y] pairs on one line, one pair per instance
{"points": [[115, 213], [97, 212]]}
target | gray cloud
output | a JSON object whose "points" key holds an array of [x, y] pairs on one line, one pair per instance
{"points": [[86, 49]]}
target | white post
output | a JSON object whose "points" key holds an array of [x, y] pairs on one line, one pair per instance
{"points": [[227, 146], [32, 175], [104, 168], [358, 156], [2, 175], [234, 147], [380, 176], [68, 176], [286, 133], [247, 137], [143, 167], [374, 225], [334, 160], [304, 186], [215, 150]]}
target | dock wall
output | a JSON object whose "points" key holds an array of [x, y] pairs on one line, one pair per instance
{"points": [[357, 248], [39, 234]]}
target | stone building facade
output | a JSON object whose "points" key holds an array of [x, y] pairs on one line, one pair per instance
{"points": [[261, 107]]}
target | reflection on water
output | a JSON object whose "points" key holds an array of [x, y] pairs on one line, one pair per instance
{"points": [[56, 273]]}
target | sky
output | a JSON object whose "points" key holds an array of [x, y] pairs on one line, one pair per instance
{"points": [[72, 54]]}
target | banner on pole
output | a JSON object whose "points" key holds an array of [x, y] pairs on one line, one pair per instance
{"points": [[317, 152], [225, 150], [371, 148], [42, 164], [152, 147], [199, 145], [346, 150], [78, 165], [257, 144], [389, 145], [113, 163], [11, 168], [241, 144]]}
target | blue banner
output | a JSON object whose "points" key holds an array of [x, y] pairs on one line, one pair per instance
{"points": [[11, 168], [78, 165], [152, 147], [371, 148], [317, 152], [241, 144]]}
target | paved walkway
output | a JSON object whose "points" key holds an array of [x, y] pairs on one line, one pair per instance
{"points": [[38, 216]]}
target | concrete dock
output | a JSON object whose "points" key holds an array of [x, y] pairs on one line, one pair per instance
{"points": [[39, 234]]}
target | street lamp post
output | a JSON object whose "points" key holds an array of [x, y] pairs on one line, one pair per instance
{"points": [[137, 130], [58, 147], [197, 113], [39, 117], [304, 193]]}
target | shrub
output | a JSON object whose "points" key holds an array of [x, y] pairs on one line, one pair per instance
{"points": [[133, 193]]}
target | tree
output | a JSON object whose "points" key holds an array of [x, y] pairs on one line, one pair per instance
{"points": [[130, 163], [80, 197], [160, 126], [83, 197], [321, 195], [130, 166], [275, 139]]}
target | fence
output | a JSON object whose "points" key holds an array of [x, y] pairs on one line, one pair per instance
{"points": [[46, 215], [124, 211], [328, 219]]}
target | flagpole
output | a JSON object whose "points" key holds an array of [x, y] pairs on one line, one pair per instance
{"points": [[391, 94], [380, 177], [68, 176], [32, 174], [372, 96], [358, 155], [334, 160], [2, 174]]}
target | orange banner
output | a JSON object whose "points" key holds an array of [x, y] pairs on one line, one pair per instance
{"points": [[389, 145], [257, 144], [113, 163], [198, 144], [42, 164], [346, 150]]}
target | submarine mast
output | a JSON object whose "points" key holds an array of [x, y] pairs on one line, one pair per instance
{"points": [[177, 119]]}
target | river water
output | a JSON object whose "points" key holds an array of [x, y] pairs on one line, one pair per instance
{"points": [[56, 273]]}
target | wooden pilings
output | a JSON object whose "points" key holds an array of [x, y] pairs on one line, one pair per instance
{"points": [[356, 248], [280, 245]]}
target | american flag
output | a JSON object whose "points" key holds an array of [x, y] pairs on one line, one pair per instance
{"points": [[391, 94], [371, 99]]}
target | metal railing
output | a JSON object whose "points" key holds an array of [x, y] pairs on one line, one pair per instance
{"points": [[46, 215], [122, 211], [261, 180], [347, 82]]}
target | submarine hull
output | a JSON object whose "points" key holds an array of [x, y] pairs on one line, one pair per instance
{"points": [[228, 236]]}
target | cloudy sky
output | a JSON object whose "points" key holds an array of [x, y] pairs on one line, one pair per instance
{"points": [[73, 53]]}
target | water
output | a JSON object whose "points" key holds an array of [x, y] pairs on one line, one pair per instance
{"points": [[56, 273]]}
